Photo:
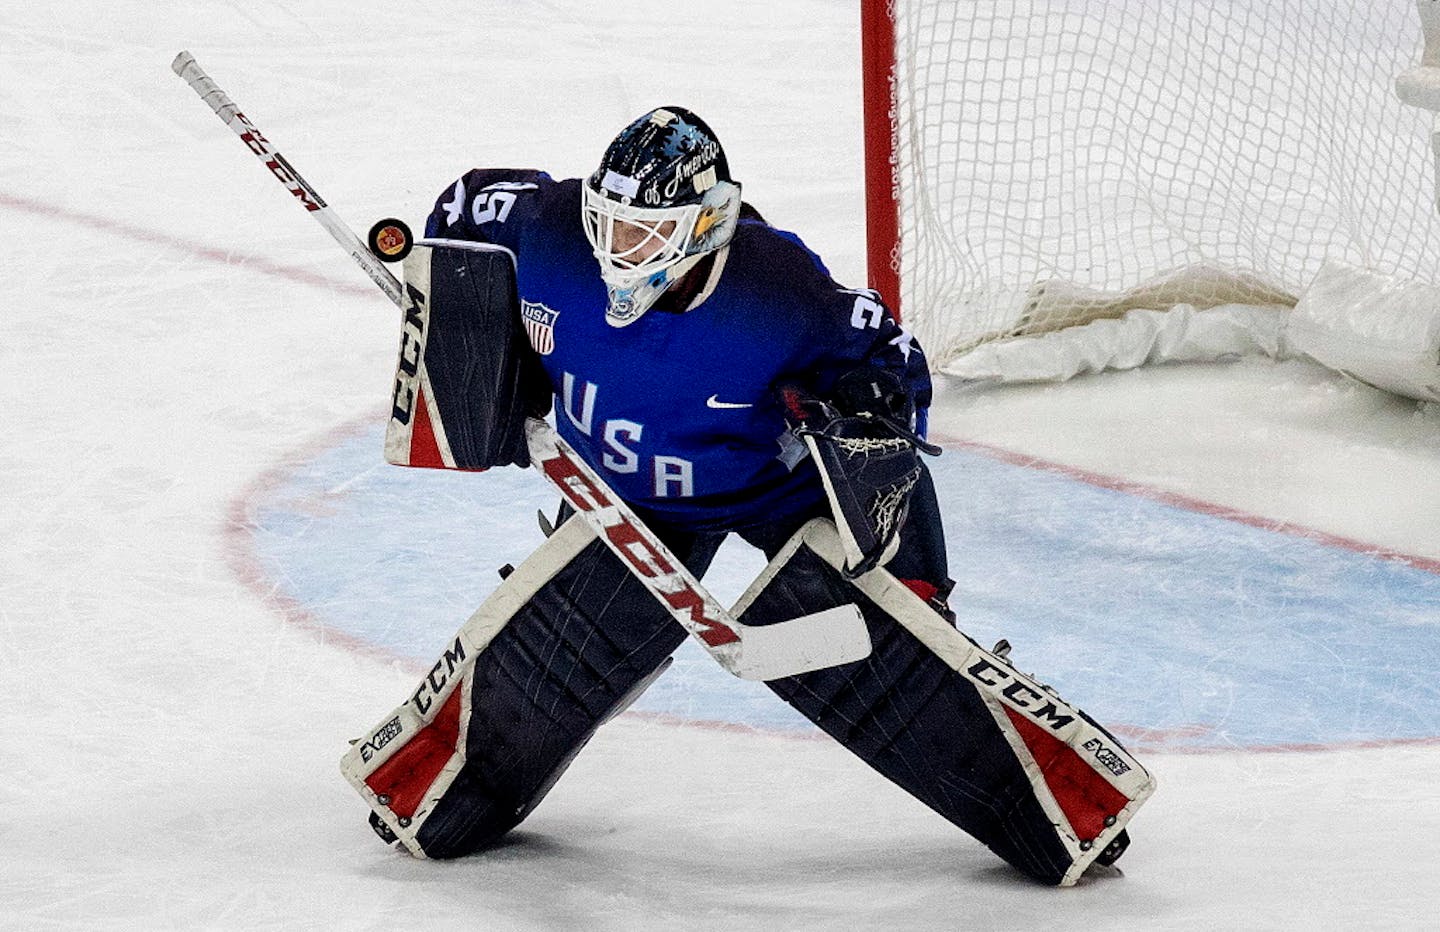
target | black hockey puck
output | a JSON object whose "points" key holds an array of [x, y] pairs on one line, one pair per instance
{"points": [[390, 239]]}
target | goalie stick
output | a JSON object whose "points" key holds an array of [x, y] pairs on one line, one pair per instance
{"points": [[786, 648], [753, 652], [192, 74]]}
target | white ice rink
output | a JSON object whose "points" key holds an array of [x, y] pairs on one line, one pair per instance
{"points": [[1239, 564]]}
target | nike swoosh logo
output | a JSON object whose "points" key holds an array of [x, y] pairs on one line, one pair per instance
{"points": [[714, 402]]}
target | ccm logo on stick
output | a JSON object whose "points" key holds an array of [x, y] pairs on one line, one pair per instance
{"points": [[687, 605], [278, 166]]}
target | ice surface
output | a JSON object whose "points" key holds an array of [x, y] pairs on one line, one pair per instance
{"points": [[185, 350]]}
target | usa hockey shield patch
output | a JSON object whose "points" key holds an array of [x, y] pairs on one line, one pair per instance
{"points": [[540, 325]]}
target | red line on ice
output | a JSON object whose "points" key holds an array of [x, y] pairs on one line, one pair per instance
{"points": [[1191, 504], [239, 547], [231, 257]]}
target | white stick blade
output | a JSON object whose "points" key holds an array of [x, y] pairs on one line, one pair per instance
{"points": [[811, 642]]}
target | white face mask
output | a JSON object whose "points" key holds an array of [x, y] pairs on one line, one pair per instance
{"points": [[643, 251]]}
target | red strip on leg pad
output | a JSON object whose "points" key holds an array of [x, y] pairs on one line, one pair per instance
{"points": [[407, 776], [921, 588], [424, 448], [1085, 797]]}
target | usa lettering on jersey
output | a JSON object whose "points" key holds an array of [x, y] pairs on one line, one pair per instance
{"points": [[671, 476]]}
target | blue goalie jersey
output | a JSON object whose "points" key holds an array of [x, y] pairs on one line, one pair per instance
{"points": [[679, 411]]}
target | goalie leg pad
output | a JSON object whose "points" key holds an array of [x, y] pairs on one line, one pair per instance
{"points": [[565, 642], [985, 746]]}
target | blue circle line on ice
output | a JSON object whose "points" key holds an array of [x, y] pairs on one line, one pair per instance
{"points": [[1181, 630]]}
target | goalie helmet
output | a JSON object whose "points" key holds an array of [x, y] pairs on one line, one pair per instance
{"points": [[661, 200]]}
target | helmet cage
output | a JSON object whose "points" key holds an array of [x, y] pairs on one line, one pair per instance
{"points": [[648, 245], [656, 245]]}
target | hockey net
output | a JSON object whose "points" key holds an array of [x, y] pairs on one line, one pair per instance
{"points": [[1055, 162]]}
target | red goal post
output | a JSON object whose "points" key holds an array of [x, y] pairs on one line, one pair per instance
{"points": [[1033, 164], [882, 168]]}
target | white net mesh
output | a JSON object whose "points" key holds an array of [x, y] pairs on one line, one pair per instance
{"points": [[1057, 154]]}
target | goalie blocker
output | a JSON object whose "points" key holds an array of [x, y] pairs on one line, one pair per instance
{"points": [[467, 377]]}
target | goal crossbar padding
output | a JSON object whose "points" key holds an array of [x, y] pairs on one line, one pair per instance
{"points": [[989, 748], [568, 638], [466, 376]]}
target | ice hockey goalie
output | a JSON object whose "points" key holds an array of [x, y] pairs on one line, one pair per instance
{"points": [[574, 635]]}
